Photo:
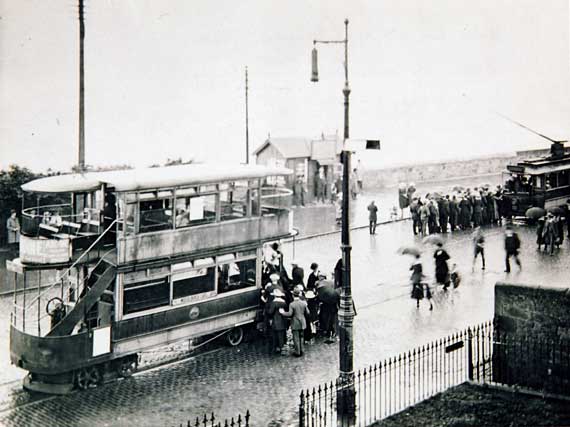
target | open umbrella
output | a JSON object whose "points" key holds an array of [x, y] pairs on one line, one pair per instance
{"points": [[534, 213], [458, 188], [408, 250], [433, 239], [326, 292], [436, 195]]}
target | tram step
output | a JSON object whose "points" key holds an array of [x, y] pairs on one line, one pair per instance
{"points": [[85, 303]]}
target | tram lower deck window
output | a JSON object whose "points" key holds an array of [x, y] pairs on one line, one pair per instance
{"points": [[236, 275], [193, 282], [146, 295]]}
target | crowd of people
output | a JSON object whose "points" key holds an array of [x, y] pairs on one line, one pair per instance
{"points": [[463, 210], [306, 308]]}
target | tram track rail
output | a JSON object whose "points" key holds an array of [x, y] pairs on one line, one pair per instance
{"points": [[13, 396]]}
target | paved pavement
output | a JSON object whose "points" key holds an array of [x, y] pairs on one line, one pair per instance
{"points": [[231, 380]]}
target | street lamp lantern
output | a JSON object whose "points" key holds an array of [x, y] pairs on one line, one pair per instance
{"points": [[314, 66]]}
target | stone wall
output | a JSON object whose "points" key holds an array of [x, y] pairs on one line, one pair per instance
{"points": [[532, 343], [538, 311], [450, 169], [390, 177]]}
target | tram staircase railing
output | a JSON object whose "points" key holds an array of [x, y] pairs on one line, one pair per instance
{"points": [[92, 293], [69, 290]]}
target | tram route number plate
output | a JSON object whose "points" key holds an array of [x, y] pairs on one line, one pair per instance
{"points": [[454, 346]]}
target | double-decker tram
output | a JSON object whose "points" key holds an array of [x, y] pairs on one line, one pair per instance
{"points": [[542, 182], [138, 259]]}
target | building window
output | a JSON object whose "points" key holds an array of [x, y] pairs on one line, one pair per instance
{"points": [[236, 274], [141, 296]]}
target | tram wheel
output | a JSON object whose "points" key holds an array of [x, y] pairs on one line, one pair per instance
{"points": [[88, 377], [128, 366], [235, 336]]}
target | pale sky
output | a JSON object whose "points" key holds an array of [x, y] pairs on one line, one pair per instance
{"points": [[165, 79]]}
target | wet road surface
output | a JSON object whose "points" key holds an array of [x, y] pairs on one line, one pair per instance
{"points": [[231, 380]]}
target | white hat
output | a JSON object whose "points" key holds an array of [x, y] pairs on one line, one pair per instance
{"points": [[294, 262], [274, 277], [278, 293]]}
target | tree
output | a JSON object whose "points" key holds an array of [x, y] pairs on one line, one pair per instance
{"points": [[11, 194]]}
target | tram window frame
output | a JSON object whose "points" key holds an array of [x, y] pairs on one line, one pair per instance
{"points": [[224, 284], [183, 219], [551, 181], [235, 200], [157, 302], [164, 196], [563, 178], [193, 282], [126, 216], [255, 198], [538, 182]]}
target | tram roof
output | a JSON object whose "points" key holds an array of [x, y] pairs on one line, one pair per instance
{"points": [[149, 178]]}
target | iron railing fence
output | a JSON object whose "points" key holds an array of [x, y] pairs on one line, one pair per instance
{"points": [[212, 421], [481, 354], [399, 382], [540, 364]]}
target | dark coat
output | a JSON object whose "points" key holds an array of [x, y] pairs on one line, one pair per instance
{"points": [[298, 276], [312, 281], [441, 267], [512, 242], [278, 322]]}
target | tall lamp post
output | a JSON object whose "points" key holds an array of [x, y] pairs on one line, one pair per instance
{"points": [[346, 395]]}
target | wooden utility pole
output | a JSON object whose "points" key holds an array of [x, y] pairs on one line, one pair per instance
{"points": [[81, 155], [246, 119]]}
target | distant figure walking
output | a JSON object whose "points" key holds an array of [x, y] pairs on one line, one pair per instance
{"points": [[512, 245], [441, 268], [478, 247], [372, 217], [299, 192], [417, 284]]}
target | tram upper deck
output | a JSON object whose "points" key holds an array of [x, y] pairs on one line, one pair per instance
{"points": [[154, 213], [543, 182]]}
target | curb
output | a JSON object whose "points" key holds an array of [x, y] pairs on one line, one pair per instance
{"points": [[354, 227]]}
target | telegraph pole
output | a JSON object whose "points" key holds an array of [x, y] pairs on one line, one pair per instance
{"points": [[81, 156], [246, 119]]}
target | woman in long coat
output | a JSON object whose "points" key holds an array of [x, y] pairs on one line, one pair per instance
{"points": [[465, 213], [441, 267]]}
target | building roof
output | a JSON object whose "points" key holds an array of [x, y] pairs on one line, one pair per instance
{"points": [[151, 178], [289, 148]]}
